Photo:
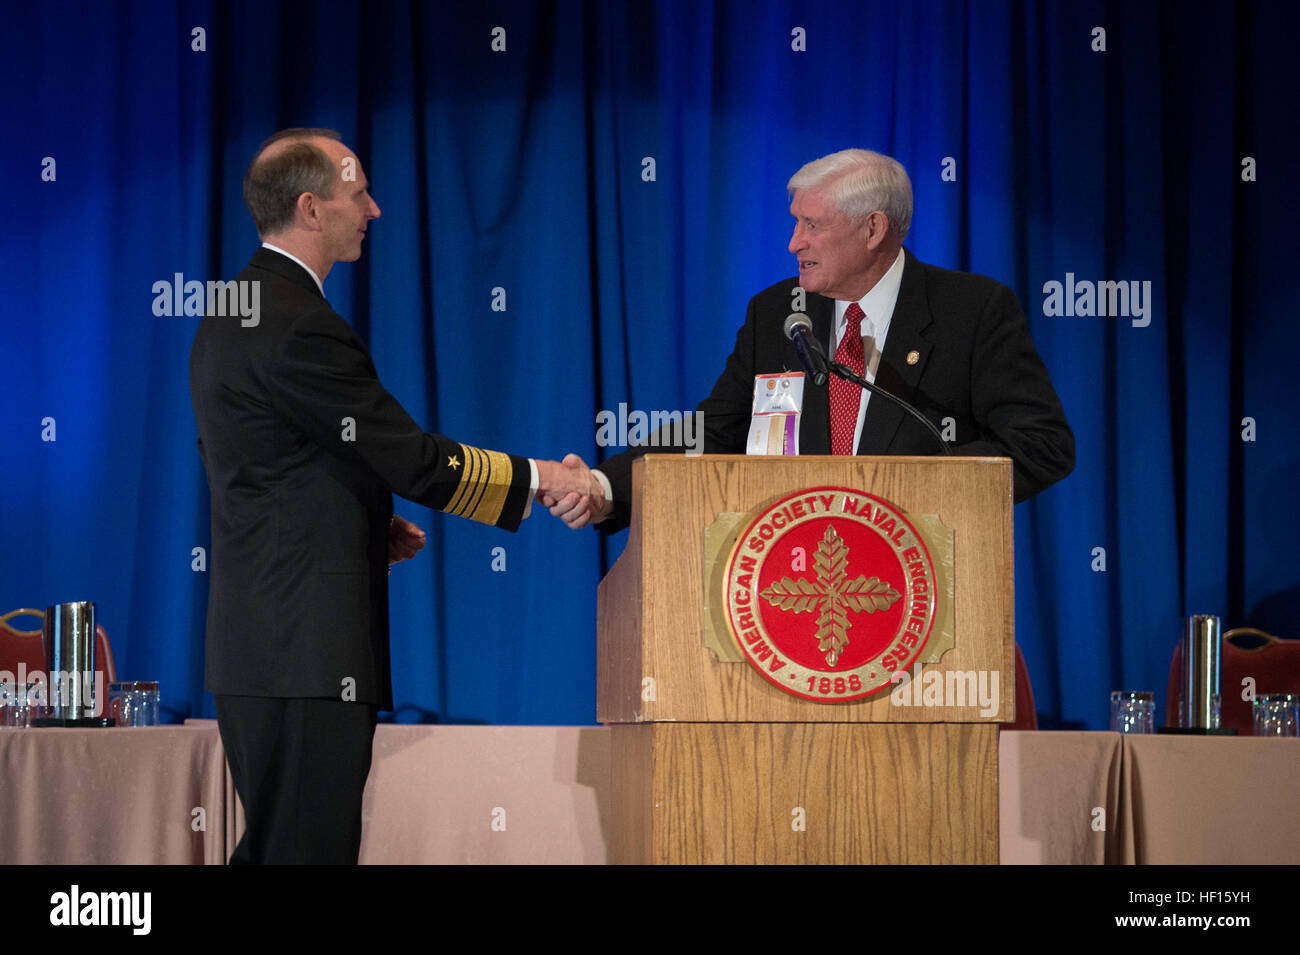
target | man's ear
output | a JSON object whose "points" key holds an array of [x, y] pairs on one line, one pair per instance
{"points": [[309, 212], [877, 229]]}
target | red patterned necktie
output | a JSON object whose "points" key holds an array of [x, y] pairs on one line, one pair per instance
{"points": [[845, 396]]}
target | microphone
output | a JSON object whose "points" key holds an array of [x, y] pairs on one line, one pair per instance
{"points": [[848, 374], [799, 330]]}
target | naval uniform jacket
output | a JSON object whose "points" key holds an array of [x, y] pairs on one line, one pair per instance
{"points": [[303, 449]]}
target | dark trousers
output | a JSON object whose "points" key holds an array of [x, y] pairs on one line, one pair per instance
{"points": [[300, 768]]}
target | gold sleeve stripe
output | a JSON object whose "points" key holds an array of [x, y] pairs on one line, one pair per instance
{"points": [[484, 486], [468, 482], [474, 482], [496, 488]]}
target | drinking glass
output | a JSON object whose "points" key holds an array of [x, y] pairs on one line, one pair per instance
{"points": [[134, 703], [1277, 714], [1132, 712]]}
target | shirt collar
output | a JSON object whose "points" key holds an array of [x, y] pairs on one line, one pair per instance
{"points": [[289, 255], [877, 305]]}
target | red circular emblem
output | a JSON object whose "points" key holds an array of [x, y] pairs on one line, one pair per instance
{"points": [[829, 591]]}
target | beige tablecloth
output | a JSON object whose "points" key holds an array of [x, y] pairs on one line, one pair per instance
{"points": [[1210, 800], [129, 795], [1054, 792], [526, 794]]}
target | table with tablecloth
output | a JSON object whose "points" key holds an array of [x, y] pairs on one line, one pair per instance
{"points": [[539, 794]]}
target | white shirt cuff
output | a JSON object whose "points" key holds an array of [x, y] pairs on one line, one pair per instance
{"points": [[532, 489], [609, 492]]}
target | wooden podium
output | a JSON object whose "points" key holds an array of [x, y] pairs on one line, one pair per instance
{"points": [[712, 763]]}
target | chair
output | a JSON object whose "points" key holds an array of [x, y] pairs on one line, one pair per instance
{"points": [[1274, 664], [21, 647], [1026, 716], [25, 647], [104, 656]]}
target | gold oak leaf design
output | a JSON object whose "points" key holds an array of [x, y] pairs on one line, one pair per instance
{"points": [[869, 594], [797, 595], [832, 593]]}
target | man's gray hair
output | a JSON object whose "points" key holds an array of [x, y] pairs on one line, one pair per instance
{"points": [[862, 182], [272, 185]]}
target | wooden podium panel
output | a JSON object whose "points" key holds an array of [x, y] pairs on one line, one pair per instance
{"points": [[810, 793], [712, 763], [650, 616]]}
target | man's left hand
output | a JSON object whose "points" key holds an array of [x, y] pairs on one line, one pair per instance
{"points": [[404, 540]]}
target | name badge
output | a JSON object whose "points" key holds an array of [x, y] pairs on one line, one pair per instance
{"points": [[778, 403]]}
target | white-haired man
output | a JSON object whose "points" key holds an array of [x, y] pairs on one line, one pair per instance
{"points": [[954, 345]]}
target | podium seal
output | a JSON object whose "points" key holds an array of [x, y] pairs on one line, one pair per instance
{"points": [[828, 592]]}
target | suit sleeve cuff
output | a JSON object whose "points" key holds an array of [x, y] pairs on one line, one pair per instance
{"points": [[609, 492], [493, 488]]}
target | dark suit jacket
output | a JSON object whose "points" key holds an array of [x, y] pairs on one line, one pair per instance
{"points": [[303, 448], [976, 364]]}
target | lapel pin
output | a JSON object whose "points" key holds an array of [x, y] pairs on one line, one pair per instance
{"points": [[913, 357]]}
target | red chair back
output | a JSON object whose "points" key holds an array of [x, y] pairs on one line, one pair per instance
{"points": [[1272, 663], [21, 646]]}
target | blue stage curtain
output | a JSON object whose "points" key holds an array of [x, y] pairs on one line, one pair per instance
{"points": [[526, 170]]}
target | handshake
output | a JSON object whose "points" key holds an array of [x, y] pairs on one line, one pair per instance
{"points": [[571, 491]]}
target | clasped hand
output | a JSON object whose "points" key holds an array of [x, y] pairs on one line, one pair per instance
{"points": [[571, 491]]}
